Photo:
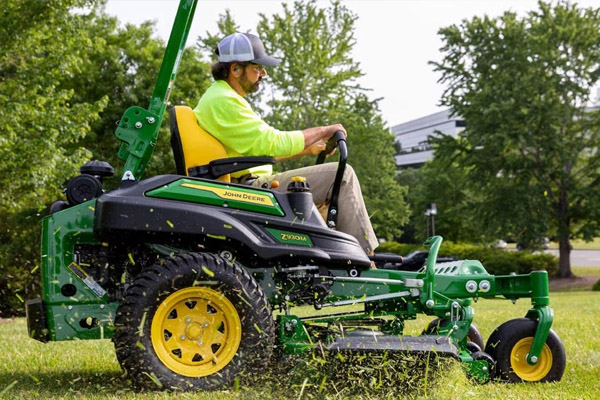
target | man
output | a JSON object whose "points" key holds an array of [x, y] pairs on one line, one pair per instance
{"points": [[225, 114]]}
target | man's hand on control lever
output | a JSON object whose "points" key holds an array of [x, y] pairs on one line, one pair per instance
{"points": [[322, 144], [315, 139]]}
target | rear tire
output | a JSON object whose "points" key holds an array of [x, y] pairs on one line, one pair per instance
{"points": [[509, 345], [194, 322]]}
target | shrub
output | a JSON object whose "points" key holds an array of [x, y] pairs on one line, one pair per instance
{"points": [[596, 286], [495, 261], [398, 248]]}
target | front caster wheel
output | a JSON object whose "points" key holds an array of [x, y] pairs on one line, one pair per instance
{"points": [[509, 345], [194, 322]]}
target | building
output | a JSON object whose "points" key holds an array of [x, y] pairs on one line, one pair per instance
{"points": [[413, 137]]}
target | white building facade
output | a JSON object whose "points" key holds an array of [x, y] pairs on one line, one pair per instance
{"points": [[414, 135]]}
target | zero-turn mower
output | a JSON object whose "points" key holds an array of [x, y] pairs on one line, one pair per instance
{"points": [[186, 272]]}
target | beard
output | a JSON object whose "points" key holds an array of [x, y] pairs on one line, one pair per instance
{"points": [[247, 86]]}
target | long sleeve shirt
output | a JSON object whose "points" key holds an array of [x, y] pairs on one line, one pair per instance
{"points": [[228, 117]]}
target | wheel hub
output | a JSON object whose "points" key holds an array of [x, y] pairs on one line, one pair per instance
{"points": [[196, 331], [522, 368]]}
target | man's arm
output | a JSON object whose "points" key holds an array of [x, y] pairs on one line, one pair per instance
{"points": [[315, 140], [320, 133], [313, 149]]}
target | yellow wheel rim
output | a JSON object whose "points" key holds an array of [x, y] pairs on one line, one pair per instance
{"points": [[518, 361], [196, 332]]}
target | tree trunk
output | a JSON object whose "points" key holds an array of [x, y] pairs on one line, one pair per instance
{"points": [[564, 233], [564, 261]]}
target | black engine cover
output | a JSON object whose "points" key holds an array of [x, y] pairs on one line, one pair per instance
{"points": [[128, 215]]}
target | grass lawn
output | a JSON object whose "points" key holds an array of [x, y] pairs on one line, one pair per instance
{"points": [[89, 369], [579, 244], [585, 271]]}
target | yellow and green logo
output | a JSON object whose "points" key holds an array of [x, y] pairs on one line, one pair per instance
{"points": [[229, 194], [219, 194]]}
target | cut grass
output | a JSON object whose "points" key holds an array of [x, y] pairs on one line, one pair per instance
{"points": [[89, 369], [586, 271], [579, 244]]}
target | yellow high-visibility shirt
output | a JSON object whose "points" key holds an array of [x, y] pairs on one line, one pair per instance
{"points": [[228, 117]]}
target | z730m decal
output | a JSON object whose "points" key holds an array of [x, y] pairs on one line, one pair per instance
{"points": [[290, 237]]}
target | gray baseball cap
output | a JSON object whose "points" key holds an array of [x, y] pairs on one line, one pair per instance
{"points": [[244, 47]]}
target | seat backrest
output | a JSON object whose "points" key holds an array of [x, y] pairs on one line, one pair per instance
{"points": [[192, 145]]}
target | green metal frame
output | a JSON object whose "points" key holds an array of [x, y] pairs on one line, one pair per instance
{"points": [[139, 128], [440, 293]]}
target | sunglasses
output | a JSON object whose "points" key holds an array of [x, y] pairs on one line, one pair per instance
{"points": [[259, 69]]}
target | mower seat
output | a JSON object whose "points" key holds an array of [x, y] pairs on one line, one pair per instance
{"points": [[199, 154]]}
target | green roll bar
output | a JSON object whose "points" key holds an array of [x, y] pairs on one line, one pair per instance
{"points": [[139, 127]]}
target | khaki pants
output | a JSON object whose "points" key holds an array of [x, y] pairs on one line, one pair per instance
{"points": [[352, 213]]}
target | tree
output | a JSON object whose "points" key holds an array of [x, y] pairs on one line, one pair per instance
{"points": [[531, 143], [316, 84], [40, 124], [124, 67], [443, 184], [65, 79]]}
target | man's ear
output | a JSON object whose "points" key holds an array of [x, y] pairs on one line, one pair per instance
{"points": [[236, 70]]}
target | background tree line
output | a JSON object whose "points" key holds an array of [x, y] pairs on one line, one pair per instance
{"points": [[527, 164]]}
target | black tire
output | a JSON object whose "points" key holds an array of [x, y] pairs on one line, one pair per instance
{"points": [[214, 308], [473, 335], [516, 335]]}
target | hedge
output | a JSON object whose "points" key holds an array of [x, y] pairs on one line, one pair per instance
{"points": [[495, 261]]}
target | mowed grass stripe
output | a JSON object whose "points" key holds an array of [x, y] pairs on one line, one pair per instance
{"points": [[89, 369]]}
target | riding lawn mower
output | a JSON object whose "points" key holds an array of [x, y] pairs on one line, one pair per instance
{"points": [[197, 280]]}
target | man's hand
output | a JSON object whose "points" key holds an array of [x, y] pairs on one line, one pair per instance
{"points": [[334, 128], [321, 133], [316, 148]]}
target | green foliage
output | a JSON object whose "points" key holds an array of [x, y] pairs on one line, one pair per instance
{"points": [[39, 119], [65, 79], [315, 85], [208, 43], [496, 262], [523, 86], [42, 123], [398, 248], [445, 184], [596, 286]]}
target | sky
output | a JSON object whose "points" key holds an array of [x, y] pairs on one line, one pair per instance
{"points": [[395, 39]]}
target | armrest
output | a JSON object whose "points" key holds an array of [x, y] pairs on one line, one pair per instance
{"points": [[224, 166], [386, 257]]}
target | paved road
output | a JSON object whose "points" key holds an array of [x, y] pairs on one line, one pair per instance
{"points": [[582, 258]]}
